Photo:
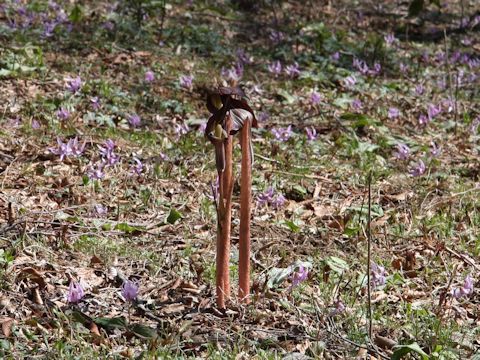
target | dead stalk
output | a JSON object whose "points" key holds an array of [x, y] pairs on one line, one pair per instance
{"points": [[245, 212]]}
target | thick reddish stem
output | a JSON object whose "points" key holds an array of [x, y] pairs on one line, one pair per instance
{"points": [[245, 212], [224, 217]]}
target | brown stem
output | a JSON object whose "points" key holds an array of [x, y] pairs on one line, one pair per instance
{"points": [[245, 212], [224, 215]]}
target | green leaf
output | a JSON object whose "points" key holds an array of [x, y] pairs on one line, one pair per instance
{"points": [[76, 14], [129, 229], [5, 72], [111, 323], [402, 350], [142, 331], [173, 216], [336, 264], [415, 7], [292, 226], [80, 317], [289, 99], [278, 275]]}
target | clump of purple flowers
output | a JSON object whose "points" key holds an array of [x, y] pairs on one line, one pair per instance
{"points": [[465, 290], [282, 134], [299, 276], [270, 197], [235, 73], [73, 84], [137, 167], [95, 172], [134, 120], [63, 114], [393, 113], [107, 152], [75, 292], [149, 76], [130, 290], [357, 105], [377, 275], [403, 152], [71, 148], [292, 70], [181, 129], [186, 82], [275, 67], [315, 97], [418, 169]]}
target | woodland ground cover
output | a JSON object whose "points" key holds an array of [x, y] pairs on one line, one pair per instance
{"points": [[107, 224]]}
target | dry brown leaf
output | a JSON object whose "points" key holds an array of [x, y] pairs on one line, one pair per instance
{"points": [[35, 276], [7, 326], [322, 211]]}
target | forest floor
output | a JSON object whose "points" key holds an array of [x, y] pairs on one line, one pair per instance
{"points": [[106, 176]]}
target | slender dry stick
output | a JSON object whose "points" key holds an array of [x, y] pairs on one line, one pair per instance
{"points": [[369, 254], [224, 212], [245, 212], [228, 191]]}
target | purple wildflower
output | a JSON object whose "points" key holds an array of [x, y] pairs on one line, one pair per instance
{"points": [[109, 158], [433, 111], [63, 113], [276, 36], [181, 129], [263, 199], [71, 148], [311, 133], [49, 28], [149, 76], [315, 97], [95, 172], [403, 152], [100, 210], [130, 290], [73, 84], [35, 124], [335, 56], [377, 275], [404, 68], [299, 276], [465, 290], [393, 113], [418, 169], [292, 70], [349, 81], [423, 120], [108, 25], [282, 134], [419, 89], [243, 57], [75, 292], [474, 126], [275, 67], [235, 73], [134, 120], [361, 66], [278, 201], [389, 39], [338, 308], [137, 168], [95, 103], [357, 105], [263, 116], [377, 68], [186, 82], [434, 149]]}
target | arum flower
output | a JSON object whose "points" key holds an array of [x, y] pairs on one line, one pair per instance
{"points": [[299, 276], [418, 169], [75, 292], [465, 290], [186, 82], [403, 152], [130, 290], [377, 275], [282, 134], [149, 76]]}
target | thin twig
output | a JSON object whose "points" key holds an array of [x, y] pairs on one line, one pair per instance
{"points": [[369, 250]]}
